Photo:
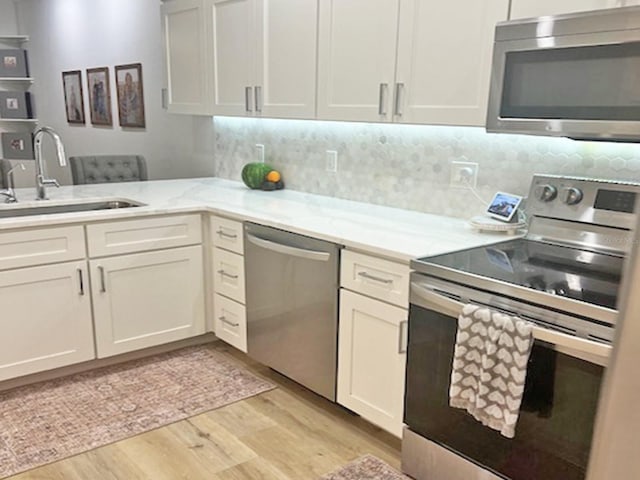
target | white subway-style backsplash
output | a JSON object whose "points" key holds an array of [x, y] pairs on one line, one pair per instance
{"points": [[408, 166]]}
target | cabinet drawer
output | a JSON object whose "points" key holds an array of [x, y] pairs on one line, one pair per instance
{"points": [[378, 278], [227, 234], [228, 274], [44, 245], [230, 322], [141, 234]]}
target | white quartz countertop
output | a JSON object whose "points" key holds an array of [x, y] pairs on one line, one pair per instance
{"points": [[390, 232]]}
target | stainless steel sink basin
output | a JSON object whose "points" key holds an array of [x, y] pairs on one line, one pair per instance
{"points": [[18, 211]]}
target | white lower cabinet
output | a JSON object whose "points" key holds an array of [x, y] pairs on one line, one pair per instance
{"points": [[230, 322], [46, 318], [371, 359], [147, 299]]}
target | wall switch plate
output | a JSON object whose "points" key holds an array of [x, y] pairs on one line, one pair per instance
{"points": [[463, 174], [260, 152], [332, 161]]}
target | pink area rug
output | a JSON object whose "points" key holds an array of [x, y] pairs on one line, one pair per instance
{"points": [[51, 420], [367, 467]]}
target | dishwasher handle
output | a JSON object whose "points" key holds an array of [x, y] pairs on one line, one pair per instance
{"points": [[289, 250]]}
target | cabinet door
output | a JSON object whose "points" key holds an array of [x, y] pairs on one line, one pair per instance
{"points": [[286, 53], [356, 59], [371, 360], [444, 60], [147, 299], [232, 42], [46, 318], [538, 8], [184, 38]]}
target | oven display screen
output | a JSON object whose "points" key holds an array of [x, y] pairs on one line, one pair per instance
{"points": [[615, 201]]}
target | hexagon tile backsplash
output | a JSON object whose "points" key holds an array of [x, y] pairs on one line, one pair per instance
{"points": [[408, 166]]}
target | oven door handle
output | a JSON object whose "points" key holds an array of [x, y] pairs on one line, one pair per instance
{"points": [[575, 346]]}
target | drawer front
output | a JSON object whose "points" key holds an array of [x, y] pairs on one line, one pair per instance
{"points": [[230, 322], [227, 234], [375, 277], [228, 274], [142, 234], [40, 246]]}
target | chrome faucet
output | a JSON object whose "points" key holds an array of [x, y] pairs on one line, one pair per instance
{"points": [[9, 192], [41, 181]]}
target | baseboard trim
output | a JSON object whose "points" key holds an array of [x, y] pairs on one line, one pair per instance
{"points": [[104, 362]]}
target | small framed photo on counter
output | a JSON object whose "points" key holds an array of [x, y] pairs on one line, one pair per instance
{"points": [[99, 96], [130, 95], [73, 96]]}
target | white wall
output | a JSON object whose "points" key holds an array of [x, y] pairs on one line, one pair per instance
{"points": [[8, 22], [81, 34]]}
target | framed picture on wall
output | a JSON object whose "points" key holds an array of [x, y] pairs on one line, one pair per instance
{"points": [[73, 97], [99, 96], [130, 95]]}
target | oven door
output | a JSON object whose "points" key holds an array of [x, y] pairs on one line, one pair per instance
{"points": [[554, 430]]}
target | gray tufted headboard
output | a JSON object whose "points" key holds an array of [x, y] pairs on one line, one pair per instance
{"points": [[108, 168]]}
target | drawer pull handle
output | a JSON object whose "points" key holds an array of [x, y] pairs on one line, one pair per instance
{"points": [[368, 276], [225, 234], [80, 277], [222, 272], [103, 286], [224, 320]]}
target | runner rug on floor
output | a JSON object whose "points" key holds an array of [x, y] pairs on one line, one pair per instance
{"points": [[51, 420], [367, 467]]}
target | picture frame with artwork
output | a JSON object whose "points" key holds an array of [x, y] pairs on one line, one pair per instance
{"points": [[99, 96], [73, 96], [130, 95]]}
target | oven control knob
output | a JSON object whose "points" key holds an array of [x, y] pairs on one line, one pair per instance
{"points": [[546, 193], [572, 196]]}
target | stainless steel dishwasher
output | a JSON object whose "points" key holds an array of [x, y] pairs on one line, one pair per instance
{"points": [[292, 305]]}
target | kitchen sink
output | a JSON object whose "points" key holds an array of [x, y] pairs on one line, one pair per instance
{"points": [[17, 211]]}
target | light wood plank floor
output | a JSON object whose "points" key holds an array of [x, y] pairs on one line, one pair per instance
{"points": [[287, 433]]}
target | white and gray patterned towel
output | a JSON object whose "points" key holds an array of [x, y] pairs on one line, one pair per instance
{"points": [[490, 366]]}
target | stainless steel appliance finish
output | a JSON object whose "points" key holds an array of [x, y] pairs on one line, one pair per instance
{"points": [[572, 75], [292, 305], [563, 277]]}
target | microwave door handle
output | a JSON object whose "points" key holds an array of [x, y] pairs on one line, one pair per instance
{"points": [[289, 250], [588, 350]]}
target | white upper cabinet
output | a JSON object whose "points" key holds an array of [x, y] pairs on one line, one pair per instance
{"points": [[286, 58], [183, 29], [444, 60], [232, 55], [357, 59], [410, 61], [538, 8], [262, 56]]}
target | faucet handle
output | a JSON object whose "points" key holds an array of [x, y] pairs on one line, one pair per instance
{"points": [[49, 182]]}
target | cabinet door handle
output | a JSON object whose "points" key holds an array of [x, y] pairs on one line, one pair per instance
{"points": [[247, 99], [224, 234], [402, 337], [81, 279], [398, 104], [367, 275], [224, 320], [103, 286], [382, 99], [258, 97], [222, 272]]}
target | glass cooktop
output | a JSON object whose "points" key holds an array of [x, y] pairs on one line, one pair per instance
{"points": [[568, 272]]}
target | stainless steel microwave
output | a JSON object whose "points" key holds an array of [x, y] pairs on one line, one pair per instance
{"points": [[575, 75]]}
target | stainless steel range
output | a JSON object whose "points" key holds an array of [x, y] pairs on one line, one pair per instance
{"points": [[564, 276]]}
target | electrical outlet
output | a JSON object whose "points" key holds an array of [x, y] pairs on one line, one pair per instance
{"points": [[332, 161], [260, 152], [463, 174]]}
